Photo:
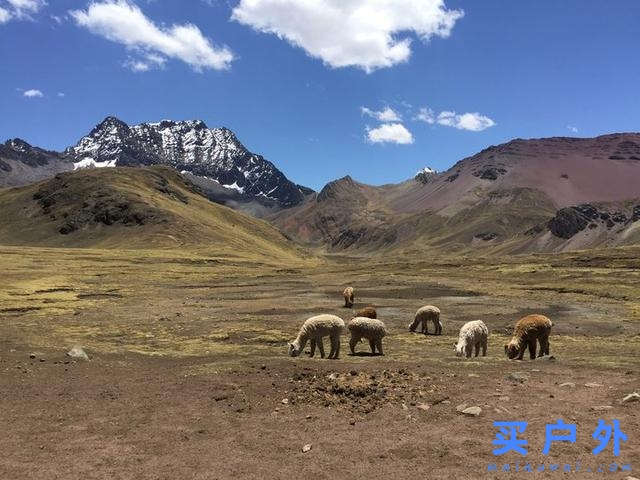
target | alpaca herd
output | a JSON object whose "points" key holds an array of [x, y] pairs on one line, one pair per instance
{"points": [[473, 336]]}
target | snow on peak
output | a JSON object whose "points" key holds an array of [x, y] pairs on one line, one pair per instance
{"points": [[427, 170]]}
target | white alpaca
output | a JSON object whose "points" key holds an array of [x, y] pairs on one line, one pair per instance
{"points": [[369, 328], [472, 334], [313, 330], [426, 314]]}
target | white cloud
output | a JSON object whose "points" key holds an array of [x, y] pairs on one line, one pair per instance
{"points": [[5, 16], [23, 9], [123, 22], [369, 34], [33, 93], [390, 133], [465, 121], [149, 62], [61, 94], [572, 129], [425, 114], [385, 115]]}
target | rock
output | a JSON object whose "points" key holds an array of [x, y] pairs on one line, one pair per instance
{"points": [[546, 358], [353, 373], [306, 448], [593, 385], [601, 408], [78, 353], [423, 406], [32, 356], [472, 411], [352, 421], [461, 407], [504, 399], [285, 401], [519, 377], [567, 385], [332, 376], [473, 375], [632, 397]]}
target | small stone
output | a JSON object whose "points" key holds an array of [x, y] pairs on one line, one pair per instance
{"points": [[519, 377], [461, 407], [352, 421], [404, 406], [78, 353], [446, 402], [332, 376], [473, 375], [285, 401], [567, 385], [308, 417], [32, 356], [306, 448], [472, 411], [423, 406], [506, 398], [632, 397], [42, 360], [263, 367], [593, 385], [353, 373], [601, 408]]}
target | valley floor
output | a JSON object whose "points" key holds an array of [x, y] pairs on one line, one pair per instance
{"points": [[189, 377]]}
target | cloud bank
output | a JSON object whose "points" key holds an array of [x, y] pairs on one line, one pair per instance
{"points": [[368, 34], [123, 22]]}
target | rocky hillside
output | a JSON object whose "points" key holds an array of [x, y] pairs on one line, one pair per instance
{"points": [[132, 208], [21, 163], [526, 195]]}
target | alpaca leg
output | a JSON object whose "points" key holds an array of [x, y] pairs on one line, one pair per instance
{"points": [[544, 346], [532, 348], [484, 347], [523, 348], [332, 342], [467, 350], [425, 327], [320, 347], [379, 345], [438, 326], [313, 347], [353, 342], [477, 349], [336, 353], [372, 346]]}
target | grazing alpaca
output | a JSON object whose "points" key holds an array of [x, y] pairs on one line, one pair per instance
{"points": [[528, 331], [369, 328], [348, 297], [423, 316], [368, 312], [313, 330], [472, 334]]}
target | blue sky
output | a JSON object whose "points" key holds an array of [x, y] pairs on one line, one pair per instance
{"points": [[519, 69]]}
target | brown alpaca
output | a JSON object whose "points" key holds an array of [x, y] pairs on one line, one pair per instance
{"points": [[348, 297], [367, 312], [529, 330]]}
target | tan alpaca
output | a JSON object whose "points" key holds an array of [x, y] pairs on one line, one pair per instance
{"points": [[369, 328], [313, 330], [348, 297], [529, 331], [426, 314]]}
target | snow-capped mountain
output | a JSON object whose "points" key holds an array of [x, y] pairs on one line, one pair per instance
{"points": [[426, 175], [192, 148]]}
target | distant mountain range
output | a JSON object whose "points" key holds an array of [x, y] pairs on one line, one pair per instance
{"points": [[548, 194], [213, 158], [525, 195]]}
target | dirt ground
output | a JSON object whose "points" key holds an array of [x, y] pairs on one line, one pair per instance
{"points": [[189, 377]]}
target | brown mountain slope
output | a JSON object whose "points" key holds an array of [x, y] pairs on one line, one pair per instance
{"points": [[132, 208], [501, 199]]}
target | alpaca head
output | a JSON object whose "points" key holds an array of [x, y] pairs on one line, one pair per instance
{"points": [[511, 350], [293, 350], [459, 349]]}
